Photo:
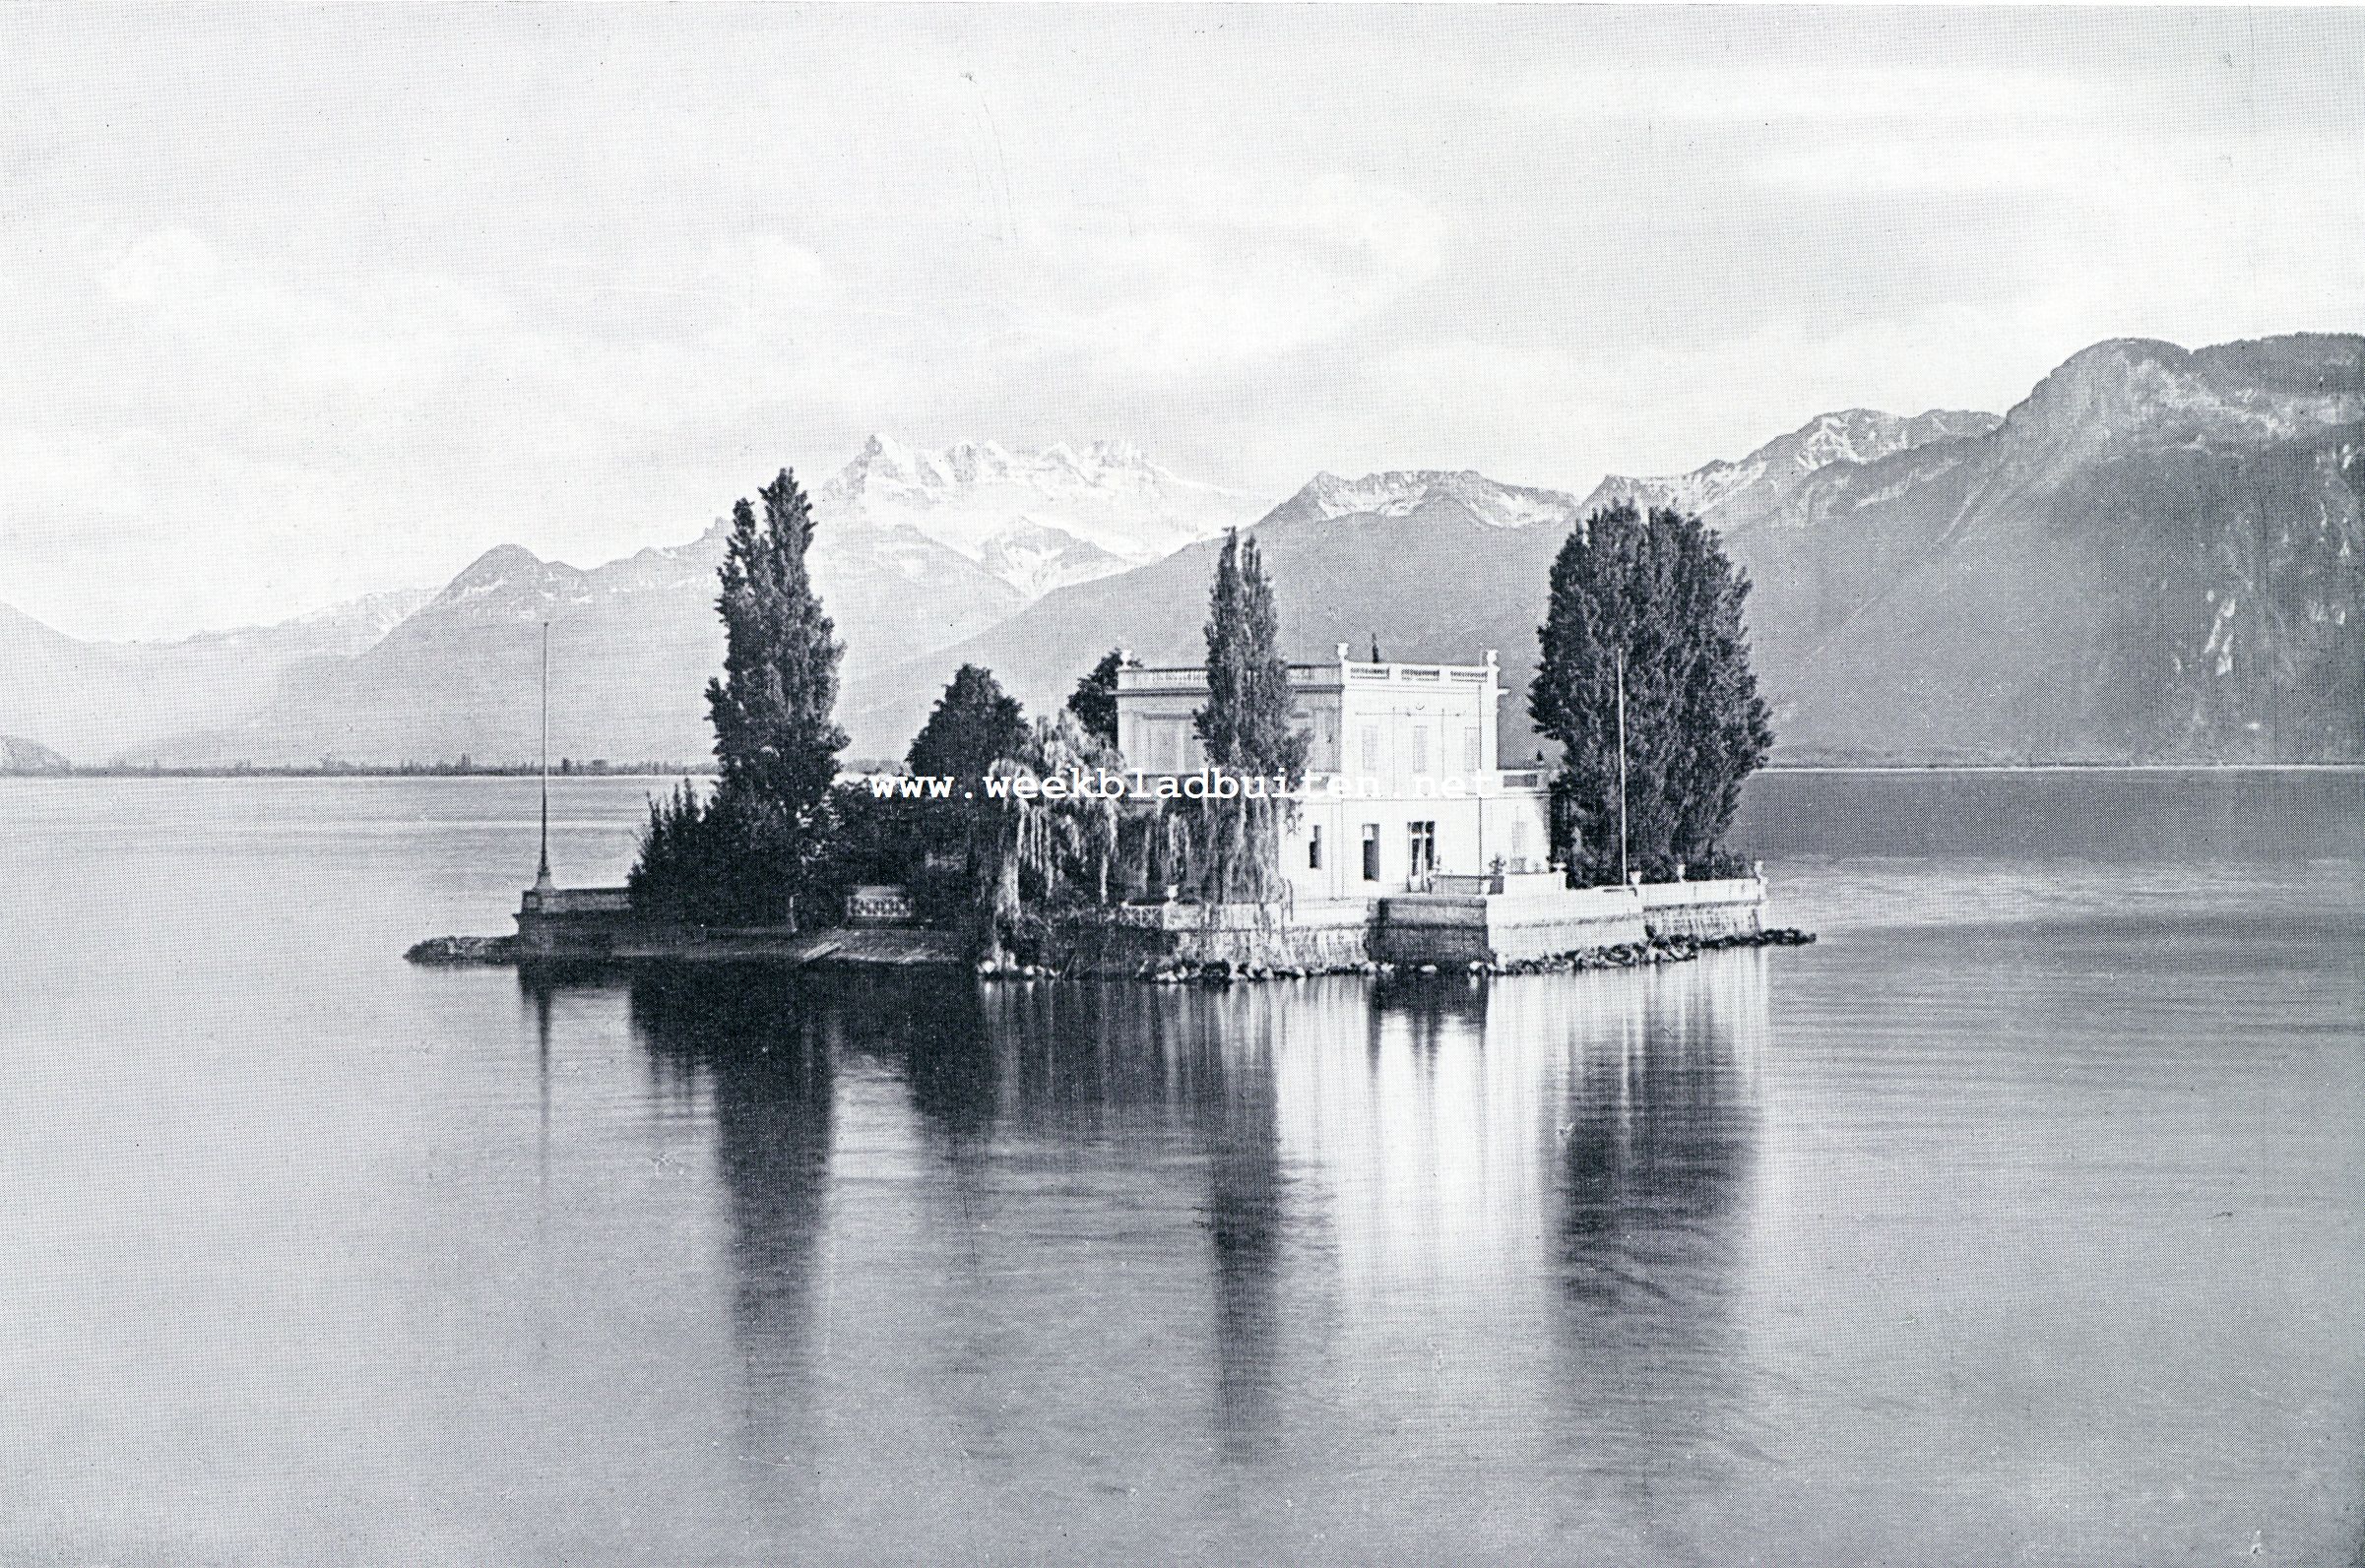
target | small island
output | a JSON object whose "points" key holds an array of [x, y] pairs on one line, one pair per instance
{"points": [[1242, 817]]}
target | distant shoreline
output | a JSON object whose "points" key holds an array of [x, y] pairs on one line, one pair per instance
{"points": [[648, 769], [2066, 767], [703, 770]]}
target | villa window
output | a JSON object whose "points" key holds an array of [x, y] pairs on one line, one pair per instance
{"points": [[1473, 750], [1420, 749], [1371, 748], [1370, 852], [1313, 848]]}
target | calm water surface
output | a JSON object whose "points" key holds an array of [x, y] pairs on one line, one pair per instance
{"points": [[2019, 1222]]}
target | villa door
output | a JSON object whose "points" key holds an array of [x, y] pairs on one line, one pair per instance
{"points": [[1423, 838]]}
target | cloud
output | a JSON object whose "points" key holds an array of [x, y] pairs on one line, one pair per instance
{"points": [[232, 435], [1819, 95], [171, 266], [1226, 275], [1955, 166]]}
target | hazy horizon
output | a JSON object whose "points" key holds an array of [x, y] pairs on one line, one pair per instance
{"points": [[304, 305]]}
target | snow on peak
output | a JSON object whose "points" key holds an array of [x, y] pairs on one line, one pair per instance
{"points": [[1759, 483], [1403, 491], [1105, 504], [887, 467]]}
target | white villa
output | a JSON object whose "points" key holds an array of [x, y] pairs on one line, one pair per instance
{"points": [[1402, 786]]}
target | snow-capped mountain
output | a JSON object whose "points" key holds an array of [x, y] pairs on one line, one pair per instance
{"points": [[1405, 492], [632, 644], [2159, 555], [1035, 559], [1037, 520], [1734, 494]]}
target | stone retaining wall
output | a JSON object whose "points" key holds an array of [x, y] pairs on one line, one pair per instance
{"points": [[1704, 910], [1137, 937], [1441, 928], [1452, 928], [574, 923]]}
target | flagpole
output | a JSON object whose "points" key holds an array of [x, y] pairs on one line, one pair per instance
{"points": [[542, 875], [1623, 879]]}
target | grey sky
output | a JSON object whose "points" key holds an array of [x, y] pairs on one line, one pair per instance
{"points": [[298, 304]]}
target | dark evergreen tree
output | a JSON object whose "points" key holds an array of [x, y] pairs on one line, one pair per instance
{"points": [[1094, 701], [1248, 730], [691, 870], [1656, 597], [973, 726], [745, 854]]}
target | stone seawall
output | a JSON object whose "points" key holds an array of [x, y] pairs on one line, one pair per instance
{"points": [[1135, 939], [1458, 928], [574, 923], [1704, 912], [1520, 924]]}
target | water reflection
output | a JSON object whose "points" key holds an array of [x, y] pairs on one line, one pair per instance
{"points": [[767, 1066], [1250, 1224], [1657, 1150]]}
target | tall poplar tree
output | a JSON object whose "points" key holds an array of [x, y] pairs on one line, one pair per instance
{"points": [[1657, 597], [745, 854], [1246, 729], [774, 735]]}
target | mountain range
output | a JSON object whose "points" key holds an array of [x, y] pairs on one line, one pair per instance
{"points": [[2156, 555], [911, 550], [94, 700], [1757, 488], [1037, 520]]}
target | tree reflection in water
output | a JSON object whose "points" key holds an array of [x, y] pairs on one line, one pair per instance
{"points": [[1425, 1210], [1658, 1146]]}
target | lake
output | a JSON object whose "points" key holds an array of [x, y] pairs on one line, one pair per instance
{"points": [[2016, 1221]]}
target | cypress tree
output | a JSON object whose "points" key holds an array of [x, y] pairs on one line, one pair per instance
{"points": [[1657, 595]]}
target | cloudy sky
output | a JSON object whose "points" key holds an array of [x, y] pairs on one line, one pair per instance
{"points": [[299, 304]]}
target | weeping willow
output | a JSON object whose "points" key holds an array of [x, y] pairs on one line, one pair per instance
{"points": [[1034, 855], [1235, 848]]}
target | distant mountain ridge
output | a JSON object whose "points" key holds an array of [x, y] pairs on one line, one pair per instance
{"points": [[632, 642], [635, 640], [1403, 493], [2156, 555], [1757, 488], [89, 699], [1039, 519], [18, 755]]}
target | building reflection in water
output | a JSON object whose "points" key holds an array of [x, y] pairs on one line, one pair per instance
{"points": [[1313, 1224]]}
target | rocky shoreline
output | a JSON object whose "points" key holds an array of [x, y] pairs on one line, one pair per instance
{"points": [[463, 952], [1622, 956], [490, 952]]}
